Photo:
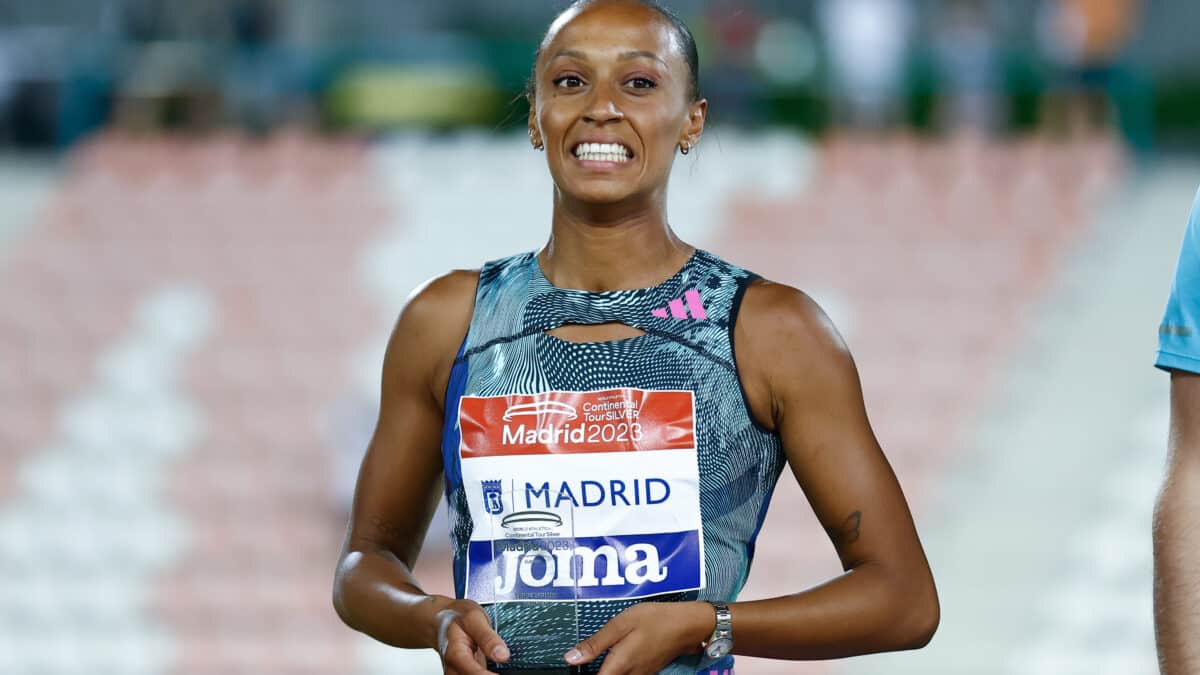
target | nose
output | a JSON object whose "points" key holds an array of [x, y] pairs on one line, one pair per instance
{"points": [[602, 109]]}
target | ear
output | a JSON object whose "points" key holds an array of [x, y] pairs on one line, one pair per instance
{"points": [[535, 134], [694, 127]]}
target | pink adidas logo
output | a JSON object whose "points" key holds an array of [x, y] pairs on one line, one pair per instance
{"points": [[677, 310]]}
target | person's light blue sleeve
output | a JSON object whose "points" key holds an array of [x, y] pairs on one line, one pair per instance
{"points": [[1179, 334]]}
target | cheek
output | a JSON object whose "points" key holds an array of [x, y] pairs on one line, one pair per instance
{"points": [[663, 133], [553, 125]]}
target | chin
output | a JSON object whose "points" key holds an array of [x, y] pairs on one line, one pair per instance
{"points": [[600, 198], [598, 192]]}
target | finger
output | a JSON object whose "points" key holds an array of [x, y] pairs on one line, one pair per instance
{"points": [[621, 669], [477, 625], [616, 663], [460, 656], [462, 662], [480, 658], [589, 649]]}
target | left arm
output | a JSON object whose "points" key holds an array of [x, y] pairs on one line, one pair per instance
{"points": [[886, 599], [802, 383]]}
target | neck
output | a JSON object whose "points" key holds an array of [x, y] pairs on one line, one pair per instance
{"points": [[611, 247]]}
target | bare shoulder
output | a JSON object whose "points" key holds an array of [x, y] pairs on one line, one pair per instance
{"points": [[777, 317], [785, 342], [428, 331], [445, 301]]}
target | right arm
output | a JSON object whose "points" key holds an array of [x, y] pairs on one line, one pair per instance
{"points": [[399, 486], [1177, 535]]}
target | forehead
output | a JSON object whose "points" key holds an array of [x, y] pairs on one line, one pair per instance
{"points": [[612, 27]]}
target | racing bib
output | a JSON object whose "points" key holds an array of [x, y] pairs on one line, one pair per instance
{"points": [[621, 462]]}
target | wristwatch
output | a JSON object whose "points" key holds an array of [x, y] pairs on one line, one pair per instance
{"points": [[721, 641]]}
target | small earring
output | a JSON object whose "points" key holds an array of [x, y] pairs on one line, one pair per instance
{"points": [[685, 148]]}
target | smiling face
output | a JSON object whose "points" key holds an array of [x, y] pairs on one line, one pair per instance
{"points": [[613, 102]]}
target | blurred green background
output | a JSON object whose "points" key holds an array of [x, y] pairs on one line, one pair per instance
{"points": [[68, 67]]}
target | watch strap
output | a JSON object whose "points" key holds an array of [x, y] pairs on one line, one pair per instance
{"points": [[724, 627]]}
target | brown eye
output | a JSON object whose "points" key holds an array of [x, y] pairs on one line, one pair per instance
{"points": [[569, 81], [643, 83]]}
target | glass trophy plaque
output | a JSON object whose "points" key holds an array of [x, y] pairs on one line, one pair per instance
{"points": [[534, 576]]}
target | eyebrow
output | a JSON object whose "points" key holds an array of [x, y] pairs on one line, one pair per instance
{"points": [[639, 55], [623, 56]]}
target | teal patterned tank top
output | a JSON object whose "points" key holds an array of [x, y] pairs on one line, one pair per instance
{"points": [[583, 478]]}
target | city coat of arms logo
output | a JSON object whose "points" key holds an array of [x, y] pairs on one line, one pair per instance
{"points": [[493, 503]]}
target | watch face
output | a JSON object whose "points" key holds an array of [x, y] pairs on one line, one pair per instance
{"points": [[718, 648]]}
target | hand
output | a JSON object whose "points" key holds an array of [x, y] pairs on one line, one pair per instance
{"points": [[465, 635], [646, 637]]}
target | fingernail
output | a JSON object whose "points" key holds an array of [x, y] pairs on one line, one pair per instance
{"points": [[499, 653], [573, 656]]}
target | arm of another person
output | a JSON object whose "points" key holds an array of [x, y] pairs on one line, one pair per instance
{"points": [[802, 382], [1177, 535], [399, 486], [1177, 513]]}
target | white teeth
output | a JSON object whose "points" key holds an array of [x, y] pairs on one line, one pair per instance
{"points": [[602, 152]]}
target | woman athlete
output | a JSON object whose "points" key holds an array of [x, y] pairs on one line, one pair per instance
{"points": [[600, 374]]}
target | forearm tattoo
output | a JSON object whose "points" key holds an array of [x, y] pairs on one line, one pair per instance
{"points": [[386, 529], [848, 532]]}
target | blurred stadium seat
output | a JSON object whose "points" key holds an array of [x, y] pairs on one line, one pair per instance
{"points": [[205, 514]]}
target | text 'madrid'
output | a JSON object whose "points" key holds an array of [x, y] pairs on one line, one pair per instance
{"points": [[581, 495]]}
